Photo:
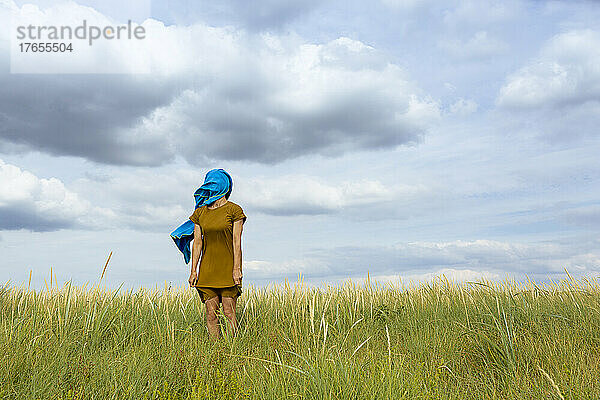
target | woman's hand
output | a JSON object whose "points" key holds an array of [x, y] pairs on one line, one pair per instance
{"points": [[237, 276], [193, 278]]}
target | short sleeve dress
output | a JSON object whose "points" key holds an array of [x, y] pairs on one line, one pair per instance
{"points": [[216, 263]]}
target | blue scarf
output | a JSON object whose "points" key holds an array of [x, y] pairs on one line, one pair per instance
{"points": [[217, 184]]}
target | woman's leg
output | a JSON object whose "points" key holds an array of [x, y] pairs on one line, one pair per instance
{"points": [[212, 305], [229, 311]]}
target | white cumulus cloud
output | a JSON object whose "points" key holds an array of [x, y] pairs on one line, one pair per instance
{"points": [[40, 204], [566, 72], [297, 194]]}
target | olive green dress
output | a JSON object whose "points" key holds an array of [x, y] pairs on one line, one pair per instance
{"points": [[216, 262]]}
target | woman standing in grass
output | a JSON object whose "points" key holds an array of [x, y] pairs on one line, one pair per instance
{"points": [[217, 244]]}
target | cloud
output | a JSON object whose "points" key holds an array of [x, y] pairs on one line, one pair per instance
{"points": [[407, 5], [423, 260], [142, 199], [260, 15], [216, 94], [482, 13], [268, 14], [261, 273], [256, 270], [463, 107], [83, 116], [564, 74], [479, 47], [557, 95], [587, 217], [299, 194], [39, 204], [150, 201], [326, 99]]}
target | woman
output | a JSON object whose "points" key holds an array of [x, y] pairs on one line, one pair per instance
{"points": [[217, 244]]}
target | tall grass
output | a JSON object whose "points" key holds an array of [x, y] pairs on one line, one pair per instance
{"points": [[437, 340]]}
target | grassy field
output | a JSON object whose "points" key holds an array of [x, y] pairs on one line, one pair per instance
{"points": [[435, 341]]}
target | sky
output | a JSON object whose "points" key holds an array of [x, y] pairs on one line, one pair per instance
{"points": [[403, 139]]}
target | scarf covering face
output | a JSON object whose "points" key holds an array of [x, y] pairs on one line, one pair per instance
{"points": [[217, 184]]}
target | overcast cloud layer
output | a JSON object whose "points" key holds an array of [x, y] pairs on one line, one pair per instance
{"points": [[257, 98], [406, 139]]}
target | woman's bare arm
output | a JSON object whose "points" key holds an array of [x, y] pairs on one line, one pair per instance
{"points": [[237, 251], [196, 250]]}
